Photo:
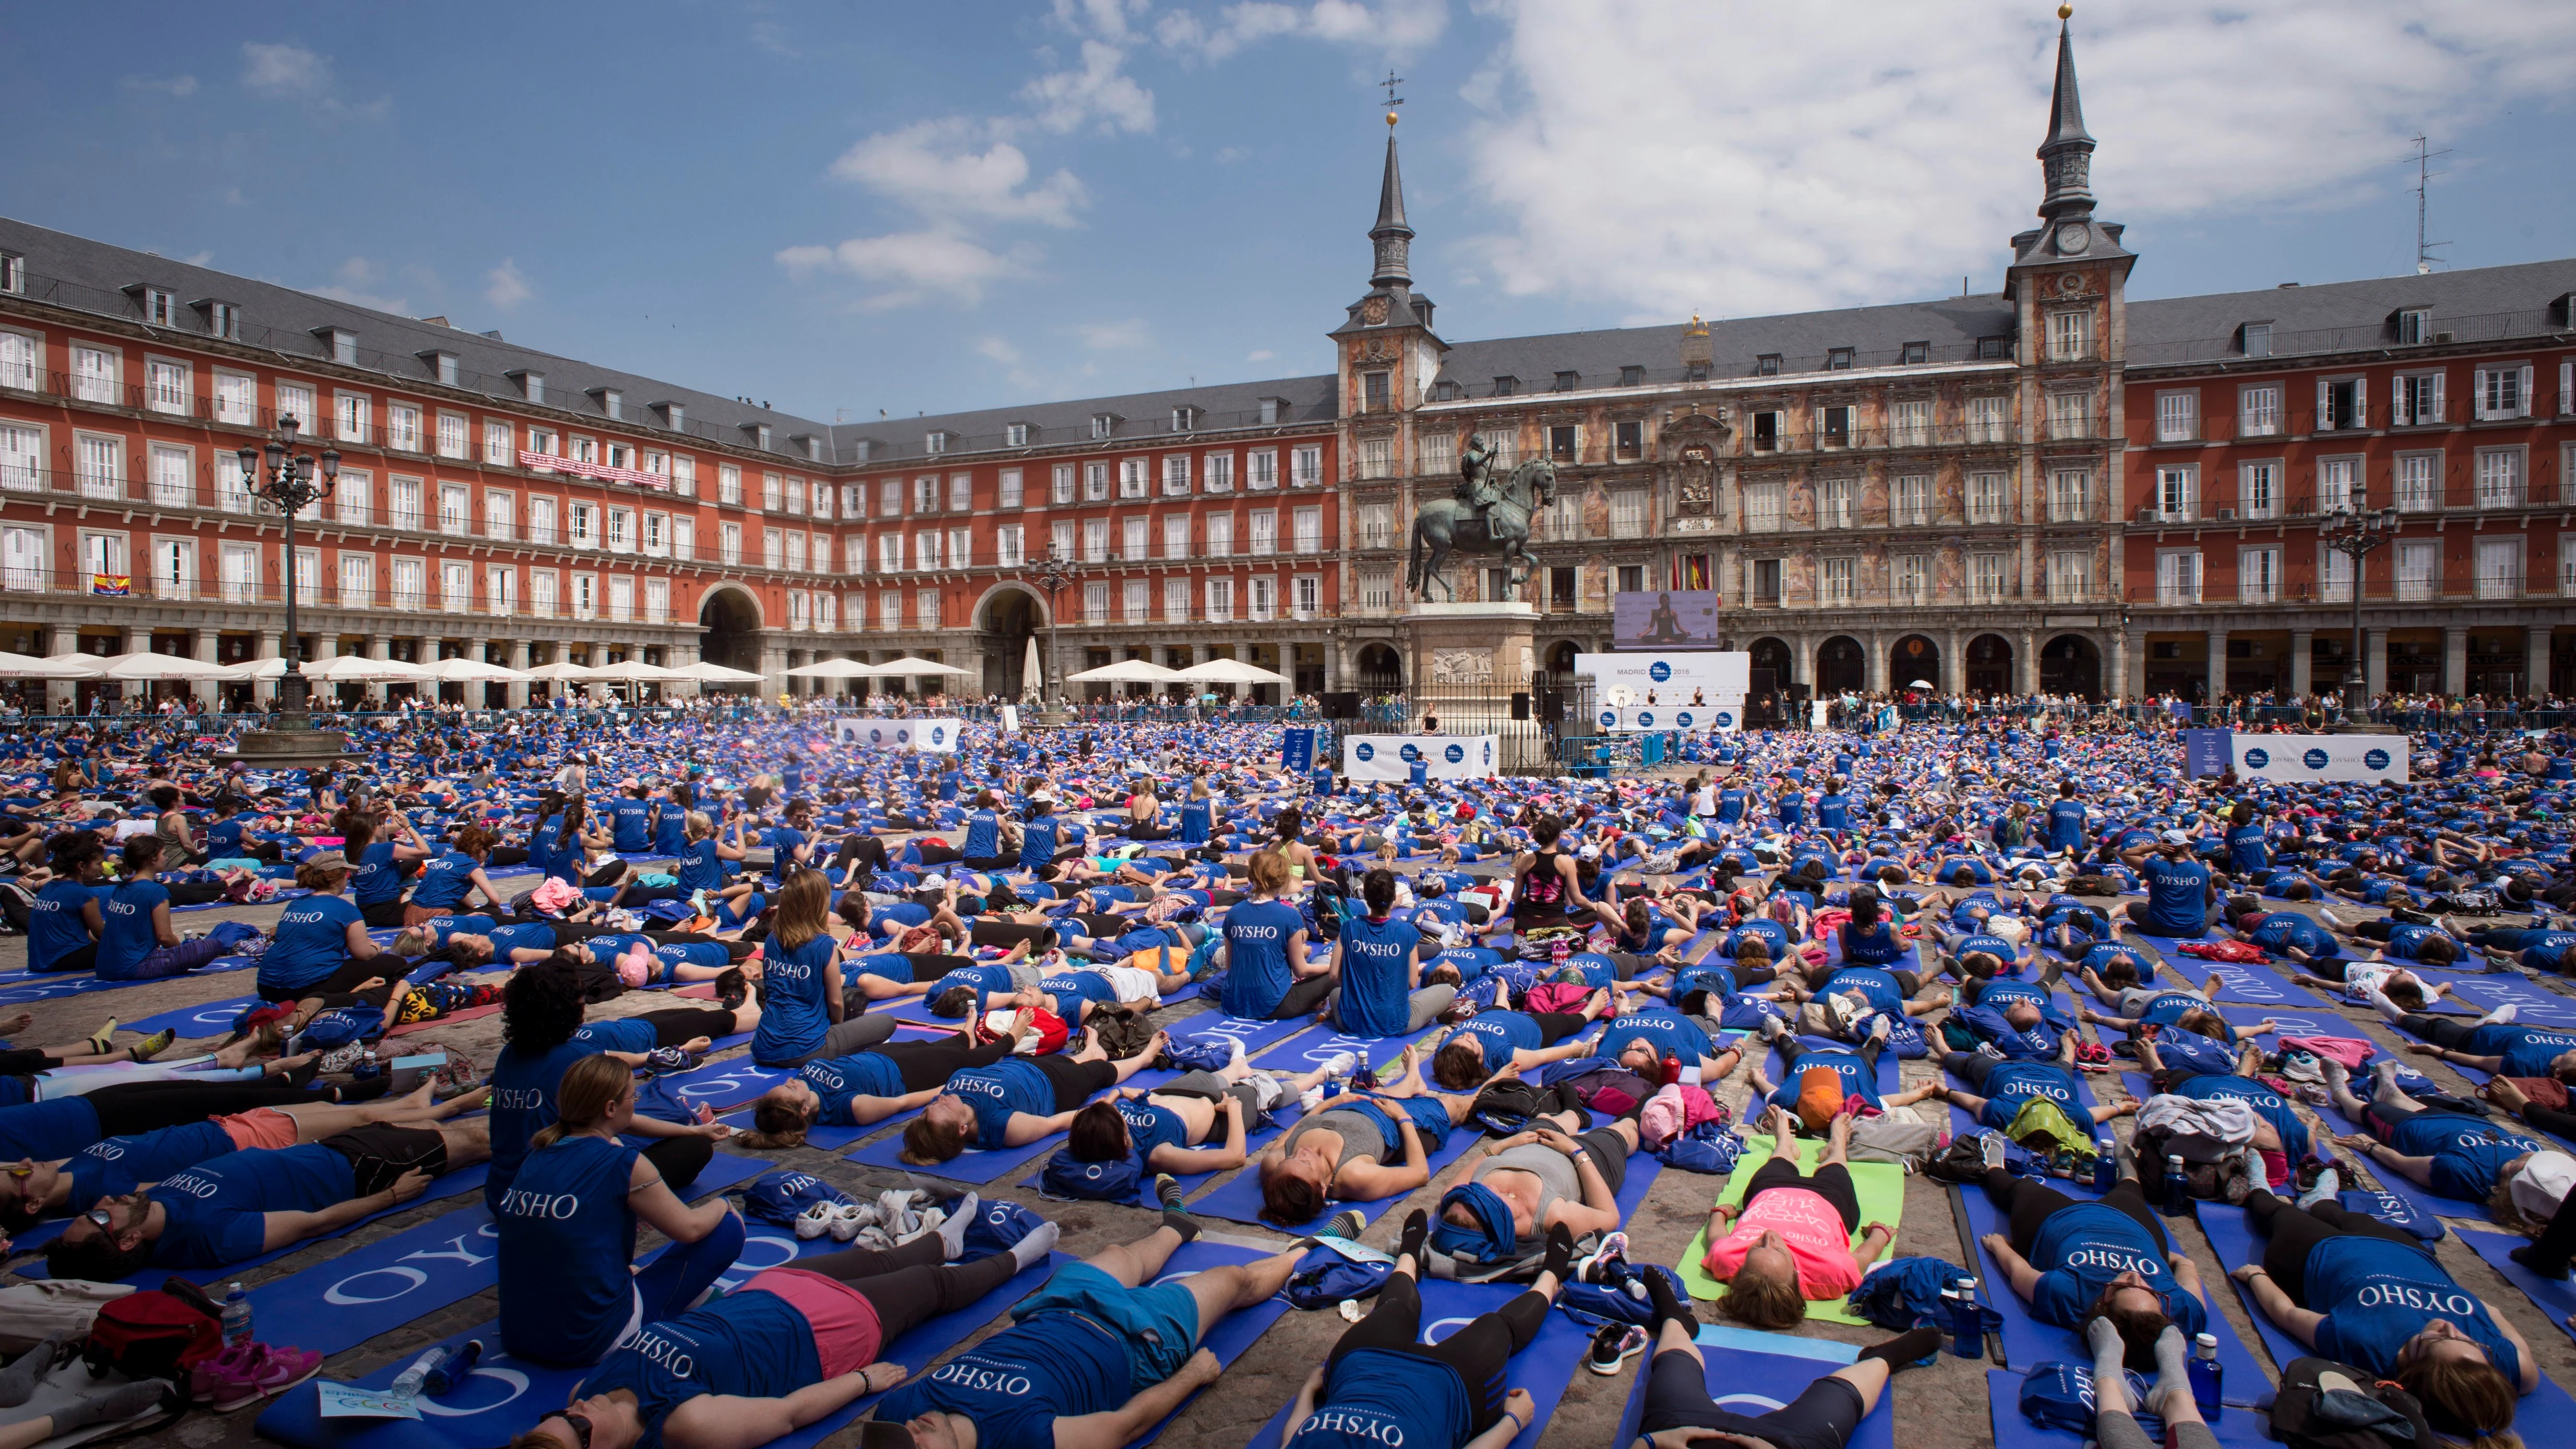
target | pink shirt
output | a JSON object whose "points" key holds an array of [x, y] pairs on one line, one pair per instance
{"points": [[846, 1332], [1811, 1228]]}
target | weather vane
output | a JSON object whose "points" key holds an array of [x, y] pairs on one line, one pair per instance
{"points": [[1392, 99]]}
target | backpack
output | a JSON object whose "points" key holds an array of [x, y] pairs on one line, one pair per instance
{"points": [[1121, 1034], [1324, 1278], [1196, 1053], [1067, 1176], [1711, 1147], [2393, 1210], [1505, 1107], [2323, 1404], [1904, 1292], [778, 1197], [158, 1333], [1964, 1160], [1622, 1300], [2060, 1396], [998, 1227], [1610, 1090]]}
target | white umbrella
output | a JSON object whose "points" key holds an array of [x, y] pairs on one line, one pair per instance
{"points": [[49, 666], [711, 673], [253, 669], [906, 666], [1030, 678], [1125, 671], [628, 671], [461, 670], [161, 666], [832, 669], [357, 668], [1920, 684], [1231, 671], [559, 671]]}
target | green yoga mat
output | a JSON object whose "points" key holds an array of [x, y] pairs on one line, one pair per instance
{"points": [[1879, 1185]]}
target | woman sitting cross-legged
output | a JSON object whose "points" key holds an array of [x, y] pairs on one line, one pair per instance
{"points": [[1790, 1241]]}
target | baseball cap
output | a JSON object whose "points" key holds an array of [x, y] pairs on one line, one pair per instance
{"points": [[2543, 1183], [2177, 837]]}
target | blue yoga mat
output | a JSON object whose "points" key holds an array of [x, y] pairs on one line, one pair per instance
{"points": [[1755, 1381], [211, 1018], [1256, 1035], [2555, 1297], [2027, 1341], [1544, 1368], [978, 1165], [17, 988], [504, 1396], [2539, 1006], [1238, 1199], [464, 1180], [1891, 1072], [721, 1085], [2239, 1428], [1306, 1051], [2259, 984], [2425, 1200]]}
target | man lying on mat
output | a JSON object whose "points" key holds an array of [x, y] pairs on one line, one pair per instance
{"points": [[2457, 1154], [1016, 1101], [2075, 1261], [241, 1205], [2008, 1086], [1789, 1243]]}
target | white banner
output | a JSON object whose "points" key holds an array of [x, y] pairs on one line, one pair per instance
{"points": [[1010, 719], [1442, 757], [1724, 717], [1668, 681], [939, 736], [2321, 757]]}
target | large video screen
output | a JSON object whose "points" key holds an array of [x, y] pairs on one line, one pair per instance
{"points": [[1664, 619]]}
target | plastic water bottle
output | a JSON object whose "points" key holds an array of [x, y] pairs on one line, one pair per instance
{"points": [[2207, 1376], [409, 1383], [2177, 1187], [1967, 1324], [236, 1316], [2106, 1167], [455, 1367]]}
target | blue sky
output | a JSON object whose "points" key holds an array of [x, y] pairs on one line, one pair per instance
{"points": [[847, 208]]}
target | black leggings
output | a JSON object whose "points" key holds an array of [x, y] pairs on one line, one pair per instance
{"points": [[2294, 1230], [687, 1023], [681, 1159], [909, 1286], [928, 1064], [1556, 1026], [867, 850], [1303, 997], [132, 1107], [1478, 1352], [79, 958], [1832, 1182], [1074, 1082], [384, 913], [2447, 1032], [934, 850], [340, 982], [2029, 1203], [987, 932], [1823, 1415]]}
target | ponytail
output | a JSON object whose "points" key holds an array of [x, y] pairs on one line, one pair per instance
{"points": [[590, 1088]]}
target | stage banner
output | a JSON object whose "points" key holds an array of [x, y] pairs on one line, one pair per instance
{"points": [[1664, 619], [1442, 757], [1725, 716], [939, 736], [1297, 751], [2322, 757], [1670, 681], [2207, 752]]}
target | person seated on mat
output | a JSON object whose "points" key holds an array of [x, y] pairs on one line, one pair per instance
{"points": [[1535, 1180], [2456, 1154], [243, 1204], [2182, 890], [1169, 1128], [2004, 1085], [321, 941], [31, 1190], [1643, 1036], [1016, 1101], [1489, 1042], [566, 1230], [1376, 965], [2493, 1043], [1382, 1385], [803, 1015], [1359, 1147], [1098, 1356], [865, 1087], [1789, 1242], [2104, 1259], [137, 941], [1269, 974], [1875, 934], [784, 1349], [2365, 1293]]}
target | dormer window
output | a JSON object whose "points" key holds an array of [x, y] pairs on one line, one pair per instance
{"points": [[1767, 365], [13, 273], [1994, 349], [1632, 376], [1184, 419], [160, 308], [442, 365], [1274, 410], [1915, 354], [2414, 325], [612, 403], [1444, 390], [2567, 310], [813, 448], [760, 433], [532, 385], [1506, 386], [1838, 360], [672, 415], [1568, 381], [2254, 339], [1104, 425], [342, 344], [222, 319], [1695, 372], [934, 441], [1015, 435]]}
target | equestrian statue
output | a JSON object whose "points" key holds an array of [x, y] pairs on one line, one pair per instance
{"points": [[1488, 516]]}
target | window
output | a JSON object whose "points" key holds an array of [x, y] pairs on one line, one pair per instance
{"points": [[1136, 601], [1377, 457], [451, 435], [1834, 426], [1102, 424], [452, 510], [2070, 575], [2068, 491], [684, 475], [1628, 512], [165, 386], [1060, 539], [2418, 568], [402, 427], [1834, 503], [1220, 472], [236, 396], [171, 485], [2177, 417], [621, 531], [2258, 410], [2418, 482], [2255, 339], [1986, 419], [773, 547], [357, 580], [1220, 601], [1375, 395], [2178, 576], [93, 374], [1309, 530], [1015, 435], [581, 524], [792, 496], [1628, 439], [1307, 596], [22, 458], [925, 493], [1765, 580], [585, 595], [1095, 482], [403, 506], [729, 485], [1306, 467], [2070, 415], [621, 598], [2566, 469], [1986, 499], [2177, 494], [1986, 578], [1561, 443], [455, 586], [1261, 468], [1010, 547], [961, 493], [541, 593], [13, 272], [1095, 540], [1912, 583], [657, 604], [1263, 538], [1062, 488], [501, 589], [173, 567], [1176, 600], [1131, 477], [2500, 478], [1377, 589], [541, 520], [1910, 501], [241, 575], [2258, 575], [1095, 603], [97, 466], [889, 610], [2334, 576], [934, 442], [2500, 567], [1762, 508], [500, 516], [1133, 535], [1839, 577], [2336, 483], [2415, 398], [1220, 535], [729, 545], [1265, 598], [2258, 490], [2070, 336], [656, 538], [2502, 392], [496, 444], [2415, 325], [2341, 404], [684, 537], [1839, 359], [295, 400], [1377, 525], [1910, 424]]}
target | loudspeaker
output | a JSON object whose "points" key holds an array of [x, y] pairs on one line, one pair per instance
{"points": [[1797, 693], [1764, 681], [1342, 704], [1551, 705], [1520, 706]]}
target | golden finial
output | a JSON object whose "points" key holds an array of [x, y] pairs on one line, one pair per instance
{"points": [[1390, 118], [2065, 12]]}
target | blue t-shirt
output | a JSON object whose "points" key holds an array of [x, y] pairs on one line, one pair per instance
{"points": [[631, 825], [701, 869], [216, 1211], [983, 836], [2009, 1086], [617, 1034], [533, 936], [1858, 1080], [2527, 1050], [1881, 989], [523, 1104], [128, 936], [376, 879], [1498, 1034], [670, 828], [2469, 1153], [47, 1131], [2080, 1249], [749, 1344], [1670, 1033], [55, 927], [1016, 1384], [1078, 991], [1013, 1084], [2267, 1104], [2066, 826], [566, 1237], [2177, 897], [984, 980], [1880, 944], [120, 1164], [1150, 1126], [1374, 1398], [794, 1016], [782, 844], [2376, 1293], [445, 880], [1257, 975], [840, 1080], [1377, 957], [311, 941]]}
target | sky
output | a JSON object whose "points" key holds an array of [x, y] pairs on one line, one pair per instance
{"points": [[853, 209]]}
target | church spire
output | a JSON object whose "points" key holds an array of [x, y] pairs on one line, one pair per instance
{"points": [[2066, 156], [1391, 236]]}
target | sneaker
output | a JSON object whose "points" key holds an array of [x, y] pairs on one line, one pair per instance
{"points": [[840, 1221], [1595, 1269], [1339, 1065], [1773, 1028], [1346, 1225], [671, 1059], [270, 1370], [1311, 1098], [1991, 1146], [220, 1374], [1234, 1052], [1613, 1346]]}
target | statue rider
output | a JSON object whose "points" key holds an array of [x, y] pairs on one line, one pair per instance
{"points": [[1476, 486]]}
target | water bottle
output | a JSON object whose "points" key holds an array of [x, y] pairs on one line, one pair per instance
{"points": [[1967, 1322], [453, 1370], [2207, 1375], [2106, 1166], [2177, 1187], [409, 1383], [236, 1316]]}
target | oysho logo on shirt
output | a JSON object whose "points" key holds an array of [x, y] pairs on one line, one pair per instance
{"points": [[1356, 1423], [189, 1183], [2392, 1293], [520, 1203], [985, 1377], [669, 1355]]}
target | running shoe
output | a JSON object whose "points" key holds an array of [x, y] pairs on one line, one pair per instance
{"points": [[271, 1370], [1613, 1346], [221, 1374]]}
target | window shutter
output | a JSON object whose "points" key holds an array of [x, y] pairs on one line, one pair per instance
{"points": [[2523, 397], [2325, 406], [2397, 402], [2437, 395], [2567, 386], [2478, 394]]}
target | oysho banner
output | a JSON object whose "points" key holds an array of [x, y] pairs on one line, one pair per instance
{"points": [[1442, 757], [939, 736], [2321, 757], [1672, 679], [1724, 717]]}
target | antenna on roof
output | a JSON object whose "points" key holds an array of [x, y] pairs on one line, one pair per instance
{"points": [[2424, 175]]}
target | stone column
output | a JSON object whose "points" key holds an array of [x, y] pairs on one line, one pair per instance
{"points": [[62, 695], [206, 645], [2026, 664], [2217, 664], [2302, 661], [2535, 661], [2375, 660], [380, 646], [773, 670], [2455, 659], [1876, 676], [1954, 663], [1802, 662], [2130, 665], [518, 693], [270, 641]]}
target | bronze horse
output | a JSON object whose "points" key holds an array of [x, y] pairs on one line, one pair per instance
{"points": [[1445, 524]]}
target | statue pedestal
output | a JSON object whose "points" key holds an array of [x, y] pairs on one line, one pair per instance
{"points": [[1472, 647], [294, 744]]}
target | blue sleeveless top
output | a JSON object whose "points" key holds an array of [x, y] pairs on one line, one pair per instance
{"points": [[837, 1080], [749, 1343], [995, 1092], [566, 1238], [1376, 957], [1256, 942], [1376, 1398], [793, 1017]]}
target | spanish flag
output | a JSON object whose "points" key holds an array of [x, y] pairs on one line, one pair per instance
{"points": [[114, 586]]}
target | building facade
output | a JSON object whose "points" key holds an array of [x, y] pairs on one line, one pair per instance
{"points": [[2047, 488]]}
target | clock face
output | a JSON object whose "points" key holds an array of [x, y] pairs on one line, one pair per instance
{"points": [[2073, 239]]}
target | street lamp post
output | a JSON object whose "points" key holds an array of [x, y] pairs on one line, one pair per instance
{"points": [[281, 478], [2354, 532], [1053, 574]]}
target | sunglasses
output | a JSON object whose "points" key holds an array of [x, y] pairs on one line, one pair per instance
{"points": [[580, 1427]]}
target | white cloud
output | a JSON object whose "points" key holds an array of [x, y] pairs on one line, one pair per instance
{"points": [[934, 168], [1259, 354], [998, 350], [350, 283], [505, 286], [1068, 100], [912, 266], [172, 85], [1227, 156], [1110, 336], [291, 73], [1809, 163], [1394, 27], [771, 36]]}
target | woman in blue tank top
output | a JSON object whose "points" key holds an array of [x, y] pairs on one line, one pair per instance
{"points": [[1873, 936], [567, 1229], [64, 923], [671, 822], [449, 880], [1378, 961], [1492, 1040], [1267, 974], [2361, 1291], [802, 1016]]}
